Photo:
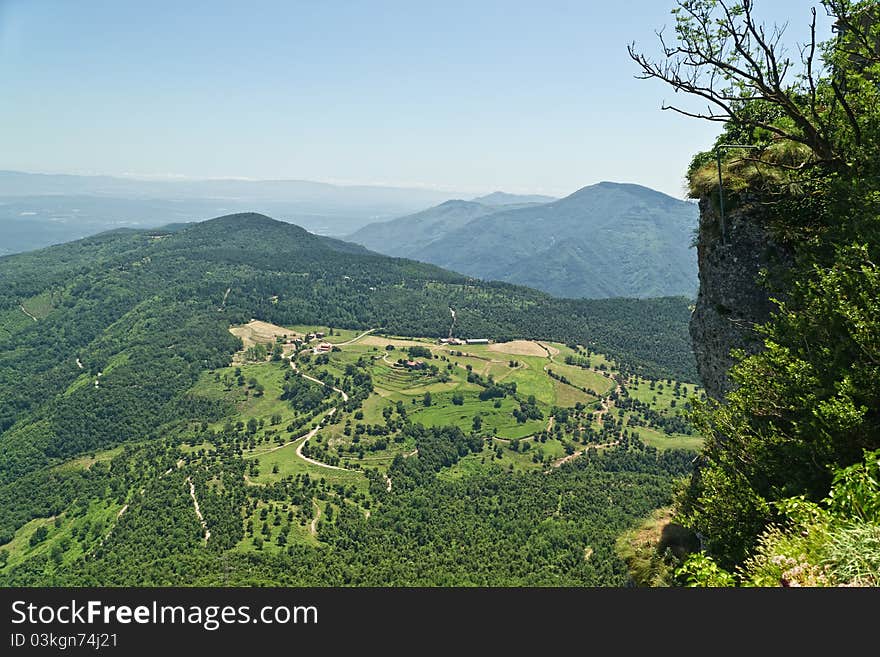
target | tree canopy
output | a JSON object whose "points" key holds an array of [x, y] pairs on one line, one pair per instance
{"points": [[808, 404]]}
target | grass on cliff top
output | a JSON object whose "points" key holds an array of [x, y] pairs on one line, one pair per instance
{"points": [[741, 173]]}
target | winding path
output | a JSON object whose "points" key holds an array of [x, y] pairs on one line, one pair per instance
{"points": [[566, 459], [313, 527], [319, 382], [353, 340], [192, 494], [310, 434], [24, 310]]}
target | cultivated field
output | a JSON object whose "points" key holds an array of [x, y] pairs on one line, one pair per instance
{"points": [[543, 411]]}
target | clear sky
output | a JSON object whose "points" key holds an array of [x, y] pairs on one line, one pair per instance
{"points": [[473, 96]]}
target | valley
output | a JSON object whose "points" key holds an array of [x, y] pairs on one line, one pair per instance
{"points": [[241, 402], [319, 416]]}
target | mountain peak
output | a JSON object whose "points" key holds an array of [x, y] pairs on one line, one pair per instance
{"points": [[247, 222], [242, 219], [503, 198], [624, 188]]}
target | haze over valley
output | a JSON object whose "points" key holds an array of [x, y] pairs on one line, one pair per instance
{"points": [[604, 240]]}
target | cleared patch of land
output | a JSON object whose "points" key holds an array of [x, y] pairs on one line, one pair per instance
{"points": [[519, 348], [256, 331], [379, 341]]}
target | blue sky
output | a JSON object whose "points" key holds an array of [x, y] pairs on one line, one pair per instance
{"points": [[467, 96]]}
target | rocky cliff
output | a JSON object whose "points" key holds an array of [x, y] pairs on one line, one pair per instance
{"points": [[737, 275]]}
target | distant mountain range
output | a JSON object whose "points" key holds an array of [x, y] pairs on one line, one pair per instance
{"points": [[605, 240], [37, 210]]}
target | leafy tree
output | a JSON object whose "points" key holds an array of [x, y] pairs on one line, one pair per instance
{"points": [[419, 352], [477, 423], [809, 402], [40, 534]]}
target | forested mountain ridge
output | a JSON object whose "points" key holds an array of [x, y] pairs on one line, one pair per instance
{"points": [[105, 343], [605, 240], [406, 236], [150, 309]]}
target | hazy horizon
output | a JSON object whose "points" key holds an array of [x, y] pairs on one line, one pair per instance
{"points": [[464, 194], [468, 98]]}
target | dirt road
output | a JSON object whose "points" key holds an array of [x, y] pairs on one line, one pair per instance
{"points": [[306, 439], [192, 494], [353, 340]]}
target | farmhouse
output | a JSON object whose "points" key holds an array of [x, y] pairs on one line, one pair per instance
{"points": [[414, 365], [323, 348], [476, 341]]}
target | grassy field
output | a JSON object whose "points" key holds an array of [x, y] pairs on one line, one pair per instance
{"points": [[497, 453], [662, 394], [246, 399], [511, 445], [67, 536], [567, 395], [289, 464], [499, 421], [39, 306], [339, 335], [583, 378], [12, 321], [86, 462], [662, 440]]}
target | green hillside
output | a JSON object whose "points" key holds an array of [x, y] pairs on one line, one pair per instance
{"points": [[406, 236], [125, 396], [606, 240]]}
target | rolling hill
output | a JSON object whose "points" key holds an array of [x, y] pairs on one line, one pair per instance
{"points": [[605, 240], [131, 385], [408, 236]]}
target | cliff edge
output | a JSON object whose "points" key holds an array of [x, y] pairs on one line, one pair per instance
{"points": [[736, 275]]}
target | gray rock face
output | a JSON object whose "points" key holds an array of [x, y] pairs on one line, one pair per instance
{"points": [[732, 299]]}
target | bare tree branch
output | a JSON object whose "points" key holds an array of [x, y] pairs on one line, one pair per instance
{"points": [[724, 56]]}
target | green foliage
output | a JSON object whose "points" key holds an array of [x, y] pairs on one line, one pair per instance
{"points": [[855, 491], [530, 529], [808, 404], [701, 570], [148, 315], [829, 544], [39, 535], [419, 352]]}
